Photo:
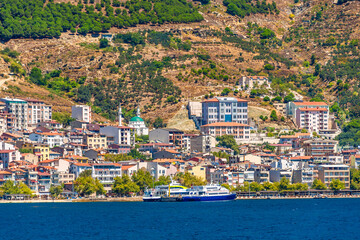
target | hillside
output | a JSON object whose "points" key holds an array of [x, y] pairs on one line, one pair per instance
{"points": [[161, 63]]}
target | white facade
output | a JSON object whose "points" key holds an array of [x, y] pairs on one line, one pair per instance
{"points": [[19, 109], [312, 119], [139, 125], [224, 109], [38, 112], [51, 139], [121, 134], [81, 113]]}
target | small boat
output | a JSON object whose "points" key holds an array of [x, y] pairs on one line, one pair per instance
{"points": [[320, 197]]}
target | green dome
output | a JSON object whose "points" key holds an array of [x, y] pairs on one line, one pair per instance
{"points": [[136, 119]]}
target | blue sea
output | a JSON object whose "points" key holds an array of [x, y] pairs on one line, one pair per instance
{"points": [[245, 219]]}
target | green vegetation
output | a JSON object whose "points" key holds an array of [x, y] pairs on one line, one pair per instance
{"points": [[188, 180], [354, 179], [283, 185], [55, 191], [37, 19], [117, 157], [124, 186], [63, 118], [228, 141], [244, 8], [336, 185], [85, 185], [317, 184], [10, 187]]}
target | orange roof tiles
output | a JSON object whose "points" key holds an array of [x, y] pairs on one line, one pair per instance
{"points": [[313, 109], [225, 124], [310, 103]]}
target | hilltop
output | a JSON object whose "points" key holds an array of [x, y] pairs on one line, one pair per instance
{"points": [[161, 64]]}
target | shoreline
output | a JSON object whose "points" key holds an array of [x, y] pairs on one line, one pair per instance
{"points": [[139, 199]]}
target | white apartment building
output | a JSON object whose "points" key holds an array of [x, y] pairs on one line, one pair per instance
{"points": [[251, 81], [38, 112], [293, 106], [19, 109], [81, 113], [224, 109], [121, 134], [52, 139], [312, 119]]}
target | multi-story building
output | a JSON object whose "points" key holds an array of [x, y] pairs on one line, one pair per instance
{"points": [[52, 139], [42, 151], [238, 130], [246, 82], [38, 112], [327, 173], [261, 175], [202, 143], [97, 141], [19, 109], [139, 124], [81, 113], [281, 107], [304, 175], [65, 177], [312, 119], [106, 172], [167, 135], [320, 147], [293, 106], [121, 134], [224, 109]]}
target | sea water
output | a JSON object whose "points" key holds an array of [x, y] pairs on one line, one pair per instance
{"points": [[245, 219]]}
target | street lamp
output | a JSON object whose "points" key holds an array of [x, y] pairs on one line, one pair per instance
{"points": [[153, 171]]}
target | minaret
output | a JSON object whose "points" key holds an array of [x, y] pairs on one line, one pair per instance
{"points": [[138, 112], [120, 116]]}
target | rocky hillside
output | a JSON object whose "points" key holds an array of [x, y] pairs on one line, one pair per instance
{"points": [[162, 65]]}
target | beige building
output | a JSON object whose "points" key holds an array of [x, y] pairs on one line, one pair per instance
{"points": [[238, 130], [95, 141], [327, 173], [199, 171], [281, 108], [66, 177]]}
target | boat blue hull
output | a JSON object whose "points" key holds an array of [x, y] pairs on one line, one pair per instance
{"points": [[209, 198]]}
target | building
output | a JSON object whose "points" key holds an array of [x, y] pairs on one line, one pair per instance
{"points": [[261, 175], [95, 141], [106, 172], [293, 106], [202, 143], [224, 109], [167, 135], [320, 147], [81, 113], [312, 119], [238, 130], [327, 173], [19, 109], [121, 134], [38, 112], [139, 124], [52, 139], [249, 82], [280, 107], [42, 151]]}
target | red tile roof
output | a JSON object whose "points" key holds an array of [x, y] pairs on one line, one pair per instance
{"points": [[310, 103], [313, 109], [225, 124]]}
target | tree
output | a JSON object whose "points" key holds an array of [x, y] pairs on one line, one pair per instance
{"points": [[273, 116], [269, 67], [228, 141], [117, 157], [225, 92], [317, 184], [289, 98], [159, 123], [312, 60], [189, 180], [63, 118], [143, 179], [284, 184], [266, 99], [9, 187], [36, 76], [55, 191], [85, 185], [163, 180], [256, 187], [104, 43], [336, 185], [124, 186]]}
